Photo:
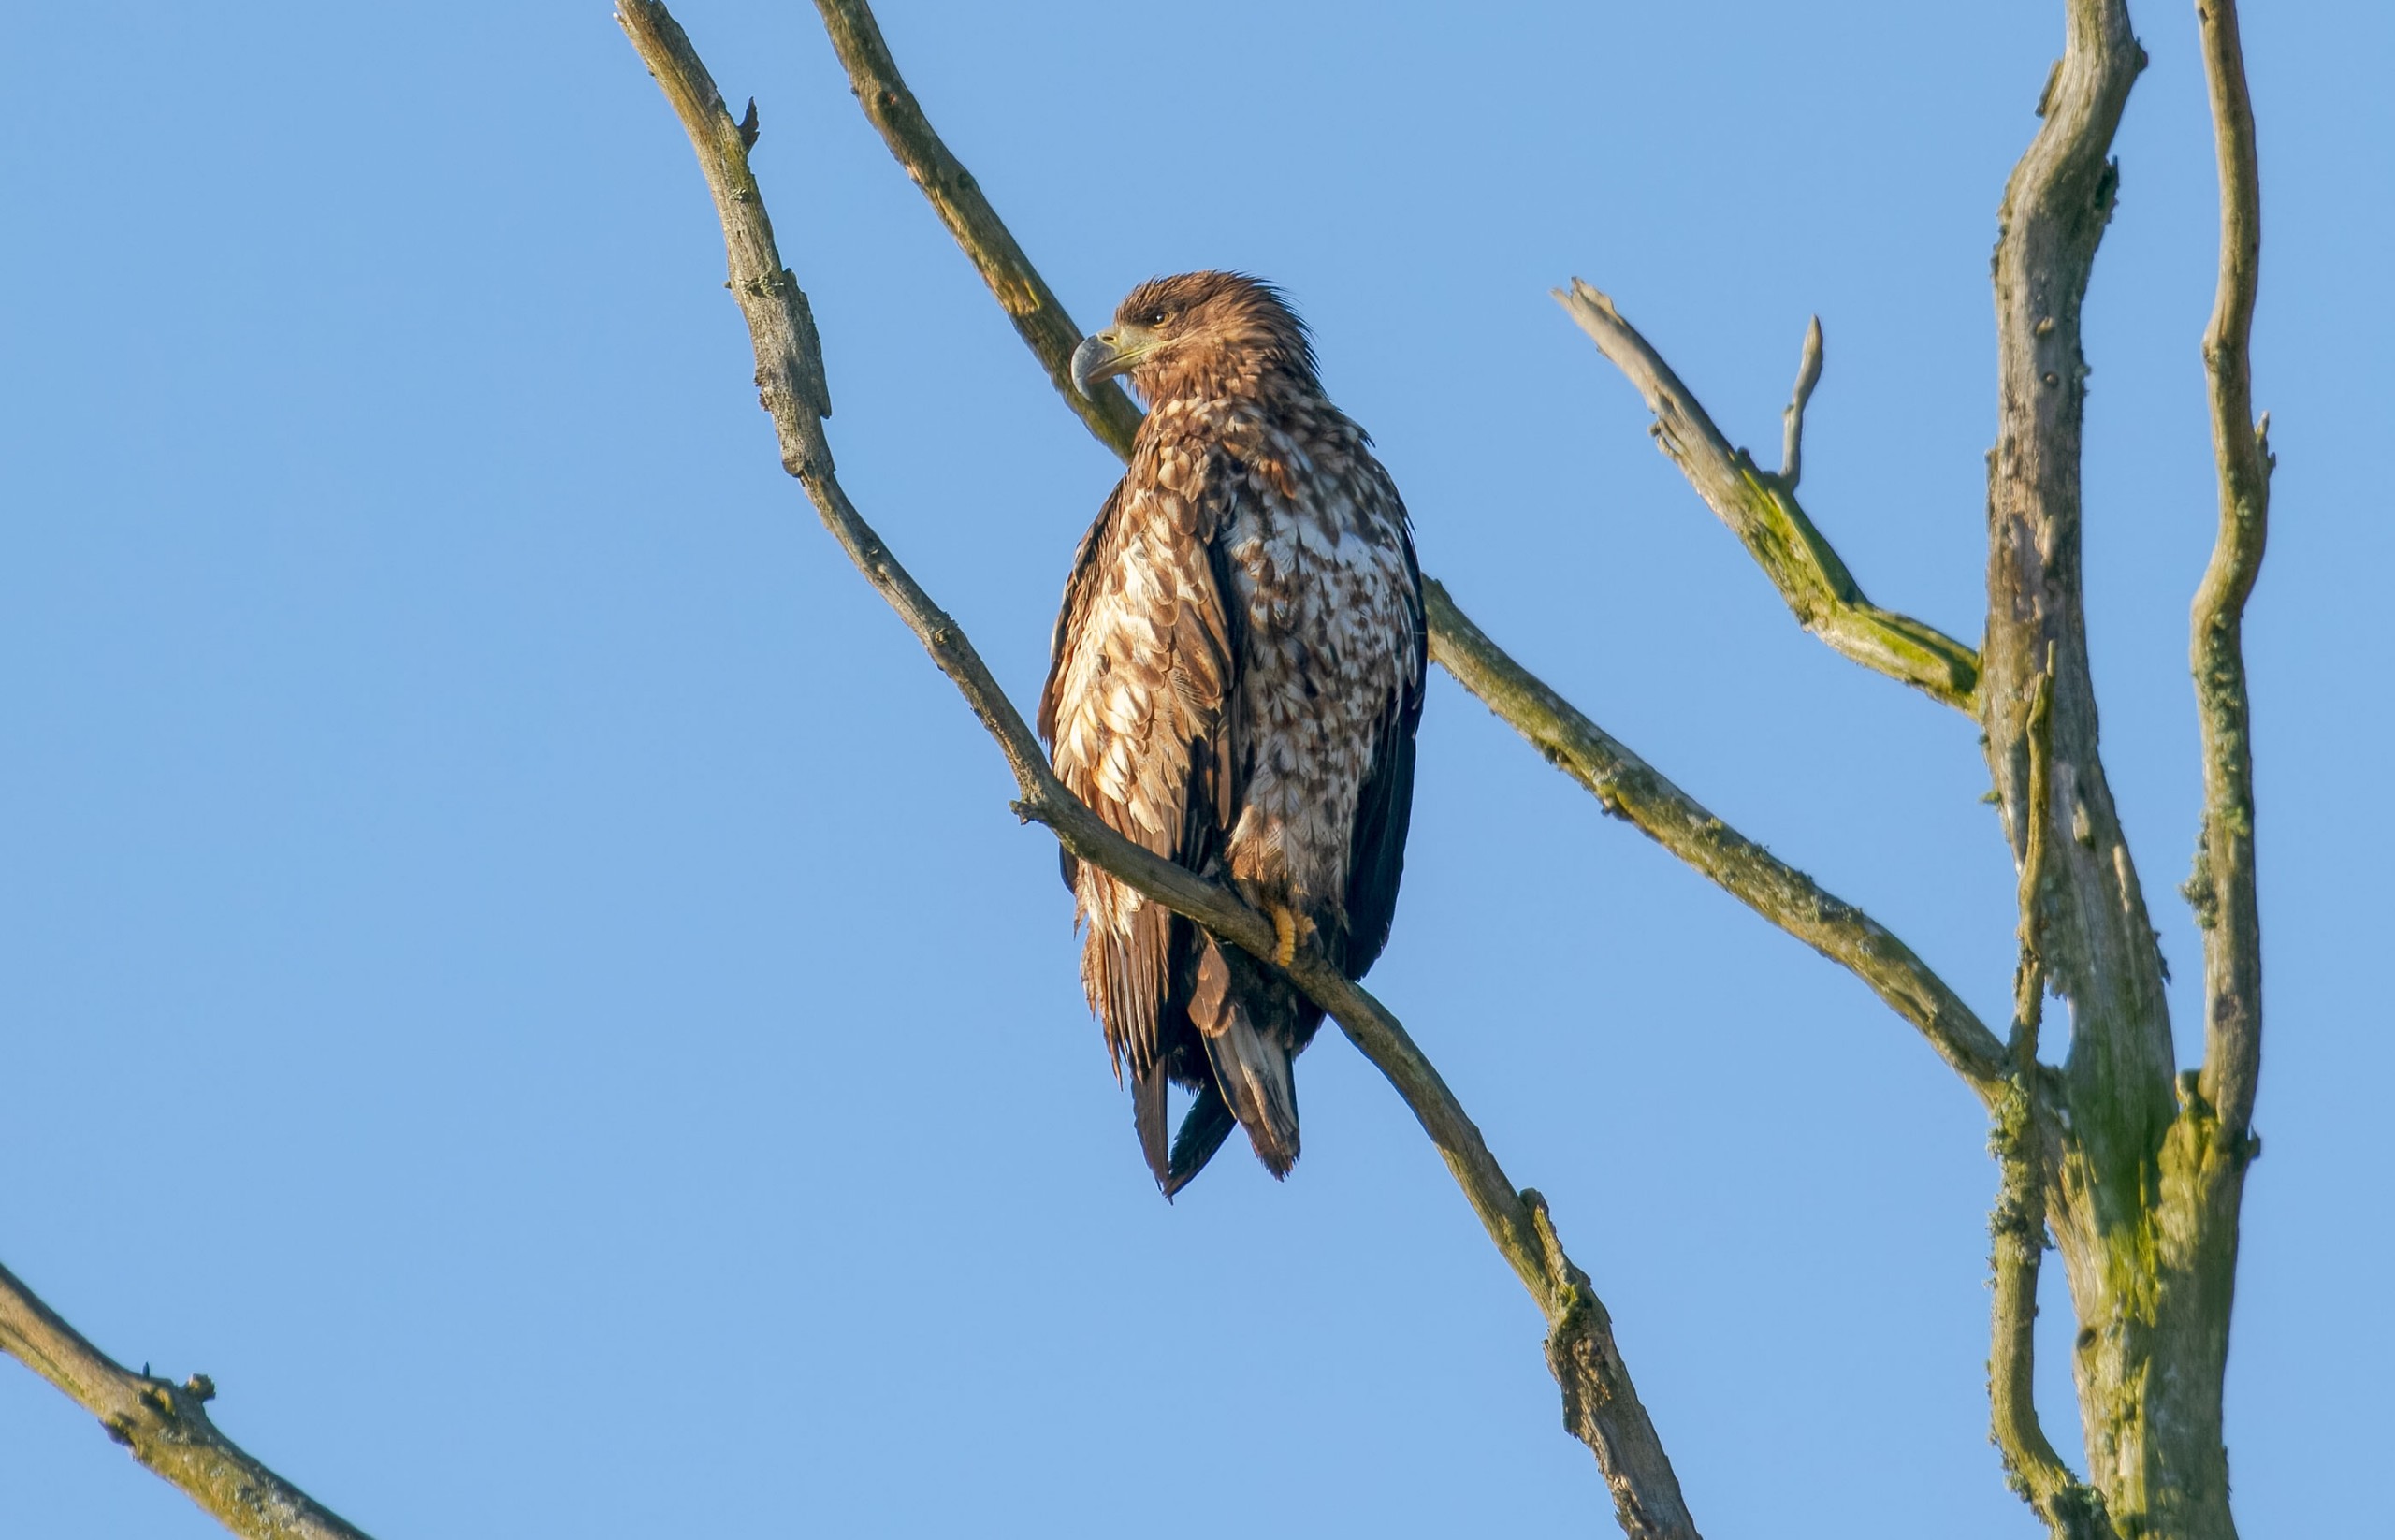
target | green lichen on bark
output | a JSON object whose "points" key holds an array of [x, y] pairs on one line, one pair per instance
{"points": [[1760, 507]]}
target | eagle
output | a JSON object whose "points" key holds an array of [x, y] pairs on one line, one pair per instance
{"points": [[1235, 682]]}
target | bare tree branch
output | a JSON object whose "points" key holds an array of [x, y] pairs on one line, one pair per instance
{"points": [[2023, 1141], [1787, 898], [1632, 789], [2222, 888], [165, 1425], [1601, 1405], [1761, 509]]}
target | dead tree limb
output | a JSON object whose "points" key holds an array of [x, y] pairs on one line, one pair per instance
{"points": [[1629, 788], [165, 1426], [1761, 508], [2100, 951], [2223, 888], [1601, 1405]]}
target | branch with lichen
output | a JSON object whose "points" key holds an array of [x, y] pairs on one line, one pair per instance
{"points": [[1621, 781], [165, 1426], [1761, 508], [1601, 1405], [2223, 889], [2021, 1139], [1629, 788]]}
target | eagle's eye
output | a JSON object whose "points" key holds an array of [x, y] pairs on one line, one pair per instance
{"points": [[1154, 317]]}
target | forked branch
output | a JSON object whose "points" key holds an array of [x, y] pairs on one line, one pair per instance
{"points": [[165, 1426], [1601, 1406], [1761, 509], [2223, 888]]}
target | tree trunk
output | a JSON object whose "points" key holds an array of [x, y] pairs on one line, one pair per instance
{"points": [[2145, 1179]]}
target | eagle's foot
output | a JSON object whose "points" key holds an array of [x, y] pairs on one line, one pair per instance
{"points": [[1289, 927]]}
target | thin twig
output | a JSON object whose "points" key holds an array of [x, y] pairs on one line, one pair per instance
{"points": [[1599, 1400], [165, 1426], [2023, 1130], [1791, 418], [1761, 509], [2223, 887]]}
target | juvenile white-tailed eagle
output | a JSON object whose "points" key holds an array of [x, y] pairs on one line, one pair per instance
{"points": [[1235, 683]]}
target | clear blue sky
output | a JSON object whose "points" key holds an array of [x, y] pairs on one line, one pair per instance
{"points": [[512, 961]]}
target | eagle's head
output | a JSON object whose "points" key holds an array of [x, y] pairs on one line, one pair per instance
{"points": [[1197, 333]]}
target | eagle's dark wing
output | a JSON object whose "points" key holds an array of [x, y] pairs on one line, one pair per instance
{"points": [[1384, 809]]}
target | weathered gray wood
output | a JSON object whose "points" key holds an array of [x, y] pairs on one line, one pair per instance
{"points": [[2100, 947], [2223, 887]]}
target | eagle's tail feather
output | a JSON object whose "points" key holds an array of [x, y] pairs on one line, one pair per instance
{"points": [[1256, 1082], [1147, 1113], [1252, 1067], [1208, 1123]]}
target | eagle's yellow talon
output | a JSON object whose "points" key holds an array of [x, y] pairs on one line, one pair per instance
{"points": [[1289, 927]]}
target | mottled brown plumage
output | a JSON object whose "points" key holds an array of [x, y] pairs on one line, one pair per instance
{"points": [[1235, 682]]}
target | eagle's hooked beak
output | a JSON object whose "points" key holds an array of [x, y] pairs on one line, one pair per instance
{"points": [[1112, 352]]}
